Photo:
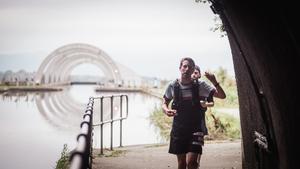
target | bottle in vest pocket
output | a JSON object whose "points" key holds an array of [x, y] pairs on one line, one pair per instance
{"points": [[174, 106], [198, 139]]}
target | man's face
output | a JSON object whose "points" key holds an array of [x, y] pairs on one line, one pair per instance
{"points": [[186, 69], [196, 74]]}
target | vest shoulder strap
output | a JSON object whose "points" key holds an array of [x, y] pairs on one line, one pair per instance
{"points": [[195, 91], [176, 90]]}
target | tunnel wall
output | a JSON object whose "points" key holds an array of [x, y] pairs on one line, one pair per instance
{"points": [[265, 50]]}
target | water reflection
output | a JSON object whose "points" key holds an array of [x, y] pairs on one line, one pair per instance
{"points": [[59, 109], [34, 126]]}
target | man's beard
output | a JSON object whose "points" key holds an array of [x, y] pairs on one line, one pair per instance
{"points": [[185, 75]]}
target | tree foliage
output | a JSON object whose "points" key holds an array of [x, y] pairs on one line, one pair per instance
{"points": [[219, 26]]}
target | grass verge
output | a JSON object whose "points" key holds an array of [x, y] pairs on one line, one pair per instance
{"points": [[221, 126]]}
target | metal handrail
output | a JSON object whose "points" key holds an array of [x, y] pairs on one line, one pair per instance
{"points": [[112, 119], [81, 156], [109, 121]]}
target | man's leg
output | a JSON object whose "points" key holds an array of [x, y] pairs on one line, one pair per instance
{"points": [[198, 160], [192, 160], [181, 158], [195, 150]]}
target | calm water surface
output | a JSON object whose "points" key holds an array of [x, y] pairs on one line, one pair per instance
{"points": [[35, 126]]}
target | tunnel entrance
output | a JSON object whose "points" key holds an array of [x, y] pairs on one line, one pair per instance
{"points": [[264, 41]]}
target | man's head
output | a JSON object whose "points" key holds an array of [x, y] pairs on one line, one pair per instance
{"points": [[187, 66], [197, 73]]}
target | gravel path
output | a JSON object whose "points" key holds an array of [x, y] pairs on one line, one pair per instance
{"points": [[222, 155]]}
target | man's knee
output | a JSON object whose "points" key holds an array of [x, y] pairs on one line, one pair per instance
{"points": [[192, 164], [182, 161]]}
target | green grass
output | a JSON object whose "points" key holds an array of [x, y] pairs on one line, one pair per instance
{"points": [[220, 126], [162, 122], [113, 153], [63, 162]]}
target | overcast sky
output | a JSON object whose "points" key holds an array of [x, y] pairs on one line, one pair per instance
{"points": [[149, 37]]}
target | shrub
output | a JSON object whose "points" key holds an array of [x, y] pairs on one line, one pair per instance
{"points": [[63, 162]]}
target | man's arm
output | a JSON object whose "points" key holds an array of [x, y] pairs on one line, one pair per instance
{"points": [[209, 102], [219, 93], [167, 111]]}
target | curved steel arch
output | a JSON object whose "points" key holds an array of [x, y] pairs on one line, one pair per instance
{"points": [[68, 64], [58, 65]]}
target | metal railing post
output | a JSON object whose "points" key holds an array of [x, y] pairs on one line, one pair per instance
{"points": [[121, 110], [111, 124], [101, 126]]}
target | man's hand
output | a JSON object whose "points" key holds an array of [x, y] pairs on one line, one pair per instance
{"points": [[170, 112], [206, 104], [211, 77], [219, 93], [167, 111]]}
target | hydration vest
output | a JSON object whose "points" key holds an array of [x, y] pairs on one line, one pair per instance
{"points": [[177, 98]]}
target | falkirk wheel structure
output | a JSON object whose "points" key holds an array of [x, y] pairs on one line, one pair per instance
{"points": [[57, 66], [60, 109]]}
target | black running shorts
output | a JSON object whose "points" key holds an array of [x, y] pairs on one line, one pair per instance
{"points": [[184, 143]]}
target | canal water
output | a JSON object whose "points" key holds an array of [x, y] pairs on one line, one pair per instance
{"points": [[34, 126]]}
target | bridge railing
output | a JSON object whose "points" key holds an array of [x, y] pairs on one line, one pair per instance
{"points": [[81, 157]]}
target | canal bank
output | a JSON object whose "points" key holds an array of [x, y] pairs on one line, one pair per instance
{"points": [[155, 92], [28, 89]]}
